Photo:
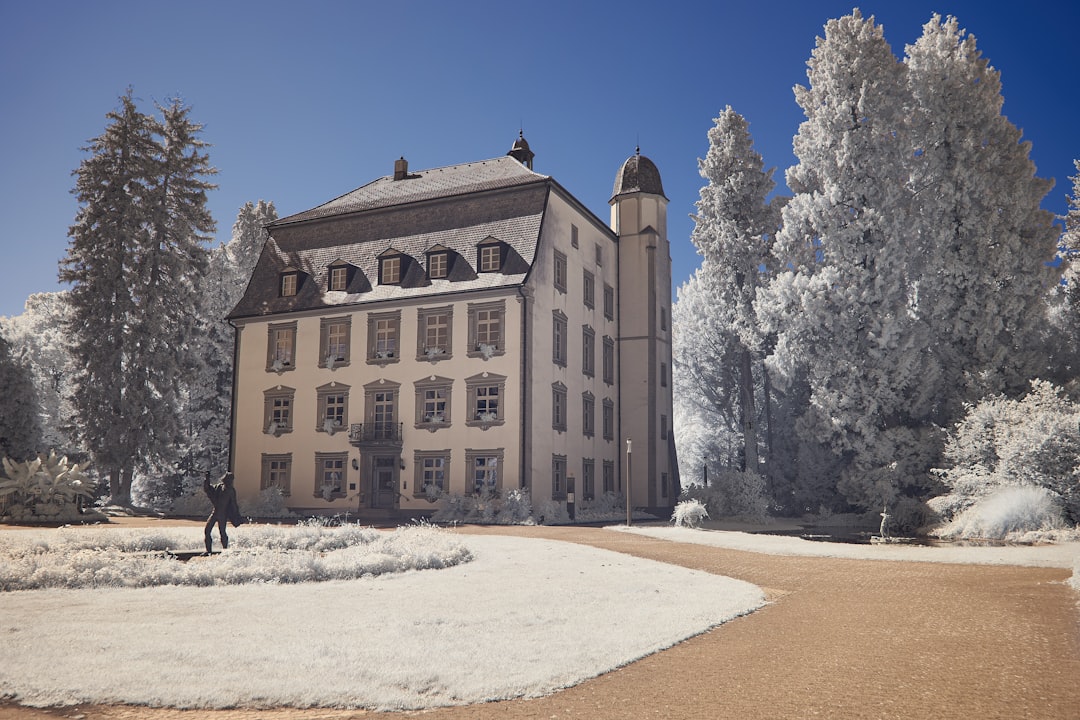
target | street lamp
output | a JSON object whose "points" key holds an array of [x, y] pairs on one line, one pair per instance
{"points": [[627, 482]]}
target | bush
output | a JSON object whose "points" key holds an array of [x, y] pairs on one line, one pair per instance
{"points": [[1007, 512], [45, 489], [513, 507], [689, 513], [733, 493], [1033, 441], [269, 504]]}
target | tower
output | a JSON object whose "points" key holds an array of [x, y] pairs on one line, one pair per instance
{"points": [[639, 218]]}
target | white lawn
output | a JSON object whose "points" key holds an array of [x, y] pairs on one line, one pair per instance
{"points": [[521, 618]]}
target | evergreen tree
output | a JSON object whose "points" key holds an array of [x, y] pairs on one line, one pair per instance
{"points": [[210, 402], [733, 227], [39, 333], [20, 428], [842, 307], [134, 260], [982, 276]]}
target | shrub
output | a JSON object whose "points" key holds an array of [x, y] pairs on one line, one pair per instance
{"points": [[1033, 441], [1007, 512], [733, 493], [269, 504], [689, 513], [47, 488]]}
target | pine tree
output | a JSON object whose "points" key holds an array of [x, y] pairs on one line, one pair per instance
{"points": [[210, 402], [733, 227], [20, 428], [985, 242], [135, 256], [842, 307], [38, 333]]}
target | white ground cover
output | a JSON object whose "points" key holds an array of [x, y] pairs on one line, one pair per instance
{"points": [[521, 618], [1062, 555]]}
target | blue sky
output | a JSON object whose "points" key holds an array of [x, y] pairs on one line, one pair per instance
{"points": [[305, 101]]}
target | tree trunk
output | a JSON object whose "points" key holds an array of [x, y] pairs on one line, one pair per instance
{"points": [[749, 411], [120, 480]]}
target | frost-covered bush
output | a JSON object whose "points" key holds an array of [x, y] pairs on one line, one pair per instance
{"points": [[1007, 512], [689, 513], [511, 507], [270, 503], [192, 504], [45, 489], [732, 493], [551, 512], [1033, 441]]}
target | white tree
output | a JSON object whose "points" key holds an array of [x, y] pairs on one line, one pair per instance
{"points": [[134, 260], [38, 334], [843, 307], [733, 228], [982, 277], [20, 428]]}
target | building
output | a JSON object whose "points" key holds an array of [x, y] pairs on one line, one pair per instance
{"points": [[458, 330]]}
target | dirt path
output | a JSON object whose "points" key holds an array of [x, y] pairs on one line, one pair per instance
{"points": [[841, 639]]}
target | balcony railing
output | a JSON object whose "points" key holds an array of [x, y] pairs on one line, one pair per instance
{"points": [[383, 433]]}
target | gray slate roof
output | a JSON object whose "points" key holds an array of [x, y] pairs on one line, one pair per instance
{"points": [[456, 207], [425, 185], [638, 174]]}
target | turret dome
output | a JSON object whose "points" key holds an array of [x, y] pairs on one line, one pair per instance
{"points": [[638, 175]]}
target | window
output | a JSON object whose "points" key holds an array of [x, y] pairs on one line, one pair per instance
{"points": [[281, 347], [489, 257], [588, 286], [663, 318], [332, 414], [609, 419], [588, 414], [330, 475], [663, 484], [599, 255], [558, 338], [434, 327], [432, 467], [573, 236], [558, 406], [560, 271], [338, 278], [609, 476], [433, 402], [276, 472], [588, 351], [290, 280], [663, 427], [486, 329], [485, 392], [438, 265], [277, 410], [663, 374], [334, 335], [609, 302], [390, 270], [380, 411], [483, 470], [588, 479], [609, 360], [558, 477], [383, 337]]}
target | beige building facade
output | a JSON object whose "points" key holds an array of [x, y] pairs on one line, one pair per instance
{"points": [[454, 331]]}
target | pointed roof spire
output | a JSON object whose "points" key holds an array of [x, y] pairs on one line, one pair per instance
{"points": [[521, 152]]}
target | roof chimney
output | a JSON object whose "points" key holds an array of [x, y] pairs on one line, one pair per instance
{"points": [[401, 168]]}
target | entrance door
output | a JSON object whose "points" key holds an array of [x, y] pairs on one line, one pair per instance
{"points": [[386, 482]]}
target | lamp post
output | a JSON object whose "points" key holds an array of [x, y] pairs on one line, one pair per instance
{"points": [[627, 482]]}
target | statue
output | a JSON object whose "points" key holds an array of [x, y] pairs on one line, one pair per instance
{"points": [[883, 531], [226, 510]]}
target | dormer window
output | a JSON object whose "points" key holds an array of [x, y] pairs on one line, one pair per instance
{"points": [[338, 278], [290, 279], [390, 270], [438, 265], [489, 256]]}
